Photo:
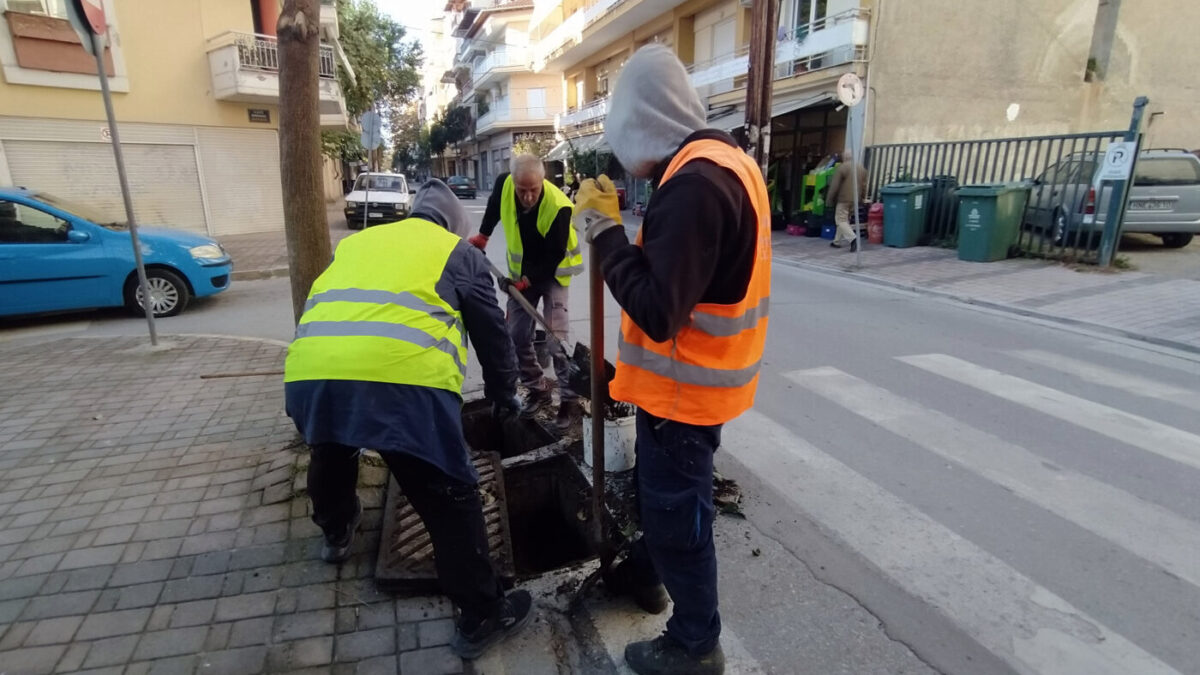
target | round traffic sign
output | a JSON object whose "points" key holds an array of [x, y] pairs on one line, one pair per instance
{"points": [[93, 10], [850, 90]]}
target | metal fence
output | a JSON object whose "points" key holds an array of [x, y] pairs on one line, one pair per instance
{"points": [[1064, 214], [261, 52]]}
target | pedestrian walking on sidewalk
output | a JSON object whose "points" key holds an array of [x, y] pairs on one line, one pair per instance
{"points": [[543, 255], [378, 362], [841, 194], [693, 293]]}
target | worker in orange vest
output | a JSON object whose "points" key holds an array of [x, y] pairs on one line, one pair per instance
{"points": [[693, 291]]}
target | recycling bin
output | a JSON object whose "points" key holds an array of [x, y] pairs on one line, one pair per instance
{"points": [[905, 208], [989, 220]]}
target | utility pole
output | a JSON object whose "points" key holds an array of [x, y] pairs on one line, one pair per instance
{"points": [[764, 23], [304, 220]]}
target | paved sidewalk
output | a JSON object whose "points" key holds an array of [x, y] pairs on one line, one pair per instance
{"points": [[1135, 304], [150, 522], [263, 255]]}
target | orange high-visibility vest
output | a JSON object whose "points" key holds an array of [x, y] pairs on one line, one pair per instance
{"points": [[708, 373]]}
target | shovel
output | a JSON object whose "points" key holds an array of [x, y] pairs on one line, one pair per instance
{"points": [[579, 362]]}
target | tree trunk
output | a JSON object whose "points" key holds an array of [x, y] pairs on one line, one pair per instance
{"points": [[300, 147], [764, 22]]}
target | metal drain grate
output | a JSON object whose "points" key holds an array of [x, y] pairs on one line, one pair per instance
{"points": [[405, 551]]}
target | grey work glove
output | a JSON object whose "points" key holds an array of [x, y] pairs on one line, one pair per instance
{"points": [[506, 408]]}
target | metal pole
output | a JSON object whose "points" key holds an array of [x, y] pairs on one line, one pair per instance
{"points": [[599, 403], [764, 22], [1120, 189], [854, 150], [147, 304]]}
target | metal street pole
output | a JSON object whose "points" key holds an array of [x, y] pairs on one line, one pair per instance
{"points": [[147, 299], [1120, 188]]}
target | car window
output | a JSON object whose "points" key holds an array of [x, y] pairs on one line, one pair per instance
{"points": [[1167, 171], [21, 224], [380, 184]]}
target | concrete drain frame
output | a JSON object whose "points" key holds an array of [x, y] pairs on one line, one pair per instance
{"points": [[537, 506]]}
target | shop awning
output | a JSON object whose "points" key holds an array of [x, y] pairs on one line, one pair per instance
{"points": [[737, 119], [559, 152], [589, 143]]}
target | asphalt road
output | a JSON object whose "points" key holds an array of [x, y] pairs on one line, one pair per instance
{"points": [[929, 487]]}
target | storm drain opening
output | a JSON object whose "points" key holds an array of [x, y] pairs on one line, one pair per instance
{"points": [[536, 505], [549, 513]]}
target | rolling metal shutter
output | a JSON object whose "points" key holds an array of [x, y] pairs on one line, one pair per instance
{"points": [[163, 178], [241, 175]]}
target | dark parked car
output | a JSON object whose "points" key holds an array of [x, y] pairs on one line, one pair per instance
{"points": [[461, 186]]}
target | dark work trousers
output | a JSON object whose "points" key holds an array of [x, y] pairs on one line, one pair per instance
{"points": [[451, 510], [522, 326], [674, 479]]}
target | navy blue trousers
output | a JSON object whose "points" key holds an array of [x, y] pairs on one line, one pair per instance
{"points": [[674, 478]]}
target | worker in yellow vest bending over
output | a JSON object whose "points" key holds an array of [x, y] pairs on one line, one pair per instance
{"points": [[543, 255], [378, 362]]}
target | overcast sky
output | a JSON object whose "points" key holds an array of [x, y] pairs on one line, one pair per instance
{"points": [[414, 15]]}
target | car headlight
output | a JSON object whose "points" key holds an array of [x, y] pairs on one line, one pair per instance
{"points": [[207, 251], [352, 204]]}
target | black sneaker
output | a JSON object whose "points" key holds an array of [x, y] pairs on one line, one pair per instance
{"points": [[568, 412], [651, 598], [835, 244], [853, 246], [534, 401], [515, 611], [336, 550], [664, 656]]}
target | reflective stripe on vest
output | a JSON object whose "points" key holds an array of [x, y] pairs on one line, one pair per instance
{"points": [[375, 314], [708, 373], [553, 201]]}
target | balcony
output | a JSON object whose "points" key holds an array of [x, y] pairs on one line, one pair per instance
{"points": [[245, 69], [592, 27], [502, 116], [833, 41], [586, 115], [505, 60], [329, 19]]}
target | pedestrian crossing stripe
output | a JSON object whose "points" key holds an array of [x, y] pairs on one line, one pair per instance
{"points": [[1109, 377], [1148, 530], [1139, 432], [1023, 623]]}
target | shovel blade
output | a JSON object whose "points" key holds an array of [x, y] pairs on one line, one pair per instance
{"points": [[581, 373]]}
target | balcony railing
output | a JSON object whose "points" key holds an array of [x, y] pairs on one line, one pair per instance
{"points": [[502, 113], [508, 57], [261, 52], [589, 113]]}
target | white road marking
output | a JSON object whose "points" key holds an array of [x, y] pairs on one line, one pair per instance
{"points": [[1108, 377], [1145, 529], [37, 331], [1020, 621], [1160, 439]]}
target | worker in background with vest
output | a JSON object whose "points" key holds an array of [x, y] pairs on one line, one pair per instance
{"points": [[378, 362], [543, 255], [693, 292]]}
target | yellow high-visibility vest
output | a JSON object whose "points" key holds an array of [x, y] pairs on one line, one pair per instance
{"points": [[375, 315], [553, 201]]}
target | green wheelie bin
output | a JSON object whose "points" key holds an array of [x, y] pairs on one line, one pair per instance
{"points": [[905, 209], [989, 220]]}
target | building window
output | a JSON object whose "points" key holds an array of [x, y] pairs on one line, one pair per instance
{"points": [[54, 8]]}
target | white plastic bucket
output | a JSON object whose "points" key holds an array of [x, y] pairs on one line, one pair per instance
{"points": [[619, 435]]}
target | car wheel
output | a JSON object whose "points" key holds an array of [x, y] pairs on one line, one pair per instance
{"points": [[1176, 239], [169, 294]]}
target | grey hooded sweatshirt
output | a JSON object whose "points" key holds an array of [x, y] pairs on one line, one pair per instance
{"points": [[699, 232], [421, 421]]}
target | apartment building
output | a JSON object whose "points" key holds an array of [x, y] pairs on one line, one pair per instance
{"points": [[195, 88], [492, 75]]}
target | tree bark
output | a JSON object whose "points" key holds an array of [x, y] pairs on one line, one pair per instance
{"points": [[304, 219], [764, 22]]}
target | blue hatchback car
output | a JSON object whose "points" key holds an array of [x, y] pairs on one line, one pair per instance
{"points": [[57, 256]]}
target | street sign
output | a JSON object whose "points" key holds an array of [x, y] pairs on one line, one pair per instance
{"points": [[850, 90], [372, 130], [93, 11], [82, 25], [1118, 161]]}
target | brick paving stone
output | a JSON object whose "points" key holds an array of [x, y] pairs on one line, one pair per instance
{"points": [[141, 595], [303, 625], [39, 564], [111, 624], [380, 665], [138, 572], [60, 604], [432, 661], [364, 644], [244, 661], [176, 665], [91, 557], [194, 613], [195, 588], [111, 651], [216, 562], [15, 635], [33, 660], [406, 637], [434, 633], [301, 653], [420, 609], [73, 659], [245, 606], [170, 643], [53, 631], [255, 631]]}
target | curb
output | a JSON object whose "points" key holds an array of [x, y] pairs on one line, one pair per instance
{"points": [[252, 275], [998, 306]]}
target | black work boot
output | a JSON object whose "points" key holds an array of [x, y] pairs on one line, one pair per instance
{"points": [[665, 656], [471, 642], [534, 401], [568, 412], [651, 598], [337, 547]]}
